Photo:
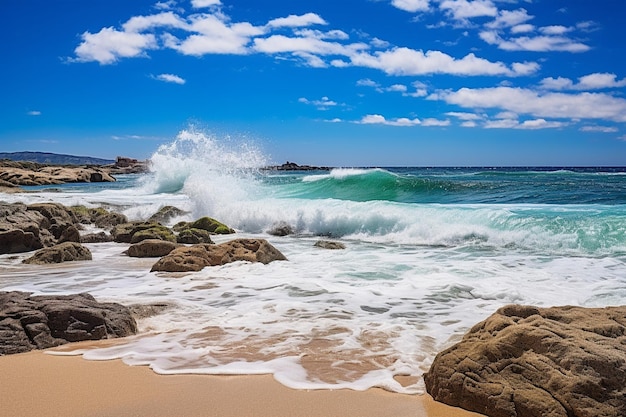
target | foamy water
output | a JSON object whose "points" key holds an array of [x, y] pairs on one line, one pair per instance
{"points": [[414, 276]]}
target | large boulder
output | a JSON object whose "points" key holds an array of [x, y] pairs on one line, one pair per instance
{"points": [[537, 362], [151, 248], [63, 252], [166, 213], [196, 257], [194, 236], [39, 322], [125, 232], [59, 217], [22, 230]]}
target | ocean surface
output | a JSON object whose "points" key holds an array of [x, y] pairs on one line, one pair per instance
{"points": [[429, 253]]}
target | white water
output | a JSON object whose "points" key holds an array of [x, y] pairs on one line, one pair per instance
{"points": [[411, 281]]}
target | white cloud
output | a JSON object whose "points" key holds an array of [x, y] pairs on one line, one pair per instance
{"points": [[307, 19], [411, 5], [554, 30], [141, 23], [366, 82], [510, 18], [109, 45], [405, 61], [169, 78], [323, 104], [595, 81], [198, 4], [549, 105], [522, 28], [601, 129], [464, 9], [464, 115], [533, 43], [379, 119], [34, 113], [435, 122]]}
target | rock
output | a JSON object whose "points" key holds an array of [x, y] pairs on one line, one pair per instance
{"points": [[155, 232], [196, 257], [70, 234], [22, 230], [205, 223], [99, 237], [329, 244], [105, 219], [125, 232], [281, 229], [29, 173], [184, 259], [151, 248], [165, 214], [39, 322], [532, 362], [16, 241], [64, 252], [59, 216], [194, 236]]}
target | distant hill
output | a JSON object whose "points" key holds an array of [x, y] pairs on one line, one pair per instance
{"points": [[54, 158]]}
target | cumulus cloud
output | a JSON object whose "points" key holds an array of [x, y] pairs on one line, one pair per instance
{"points": [[169, 78], [595, 81], [109, 45], [464, 9], [381, 120], [541, 105], [307, 19], [540, 43], [405, 61], [411, 5], [198, 4], [34, 113]]}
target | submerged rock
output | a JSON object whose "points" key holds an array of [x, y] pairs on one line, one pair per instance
{"points": [[537, 362], [63, 252], [329, 244], [281, 229], [194, 258], [39, 322]]}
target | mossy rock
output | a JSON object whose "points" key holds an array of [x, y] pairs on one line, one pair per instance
{"points": [[123, 233], [205, 223], [211, 225], [156, 232], [193, 236]]}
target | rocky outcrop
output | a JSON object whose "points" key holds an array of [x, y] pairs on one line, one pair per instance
{"points": [[22, 230], [63, 252], [39, 322], [31, 173], [151, 248], [281, 229], [537, 362], [193, 236], [196, 257], [26, 228]]}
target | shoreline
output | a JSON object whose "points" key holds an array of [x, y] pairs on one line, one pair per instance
{"points": [[36, 383]]}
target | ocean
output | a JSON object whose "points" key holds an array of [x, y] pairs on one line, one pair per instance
{"points": [[429, 253]]}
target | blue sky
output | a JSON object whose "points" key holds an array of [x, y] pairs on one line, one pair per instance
{"points": [[341, 83]]}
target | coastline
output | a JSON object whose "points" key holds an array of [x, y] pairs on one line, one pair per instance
{"points": [[36, 383]]}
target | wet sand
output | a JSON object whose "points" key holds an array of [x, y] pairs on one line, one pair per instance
{"points": [[39, 384]]}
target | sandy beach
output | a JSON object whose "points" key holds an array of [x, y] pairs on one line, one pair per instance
{"points": [[40, 384]]}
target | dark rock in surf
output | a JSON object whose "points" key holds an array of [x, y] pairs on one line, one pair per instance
{"points": [[38, 322], [166, 213], [281, 229], [196, 257], [134, 232], [329, 244], [63, 252], [537, 362]]}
